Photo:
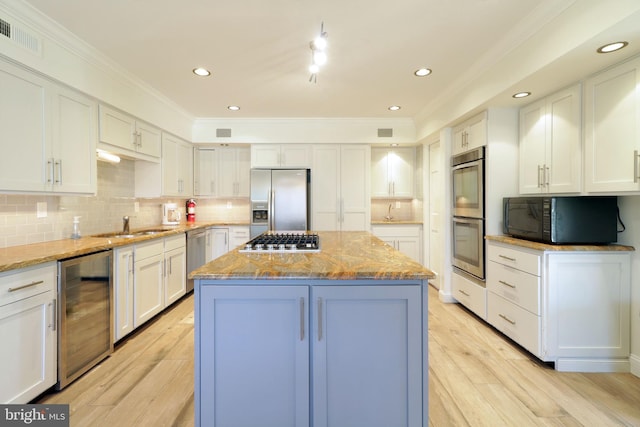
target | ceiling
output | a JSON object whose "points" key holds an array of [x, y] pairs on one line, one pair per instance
{"points": [[258, 50]]}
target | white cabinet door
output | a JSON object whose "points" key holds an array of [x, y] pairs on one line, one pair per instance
{"points": [[367, 369], [28, 327], [238, 236], [175, 275], [280, 156], [325, 180], [177, 167], [205, 172], [23, 130], [612, 129], [74, 122], [379, 172], [234, 172], [265, 156], [550, 144], [117, 129], [217, 242], [436, 213], [123, 290], [405, 238], [149, 281], [254, 356], [470, 134], [149, 139], [355, 187], [392, 172]]}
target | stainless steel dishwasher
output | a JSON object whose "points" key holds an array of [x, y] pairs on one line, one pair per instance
{"points": [[196, 252], [85, 314]]}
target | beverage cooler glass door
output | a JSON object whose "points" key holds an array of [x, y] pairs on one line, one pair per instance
{"points": [[468, 246], [468, 184]]}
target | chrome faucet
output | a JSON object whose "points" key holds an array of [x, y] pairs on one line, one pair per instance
{"points": [[389, 217], [125, 225]]}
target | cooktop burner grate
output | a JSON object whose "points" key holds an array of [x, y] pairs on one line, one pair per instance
{"points": [[283, 242]]}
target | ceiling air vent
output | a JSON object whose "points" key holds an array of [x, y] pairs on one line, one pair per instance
{"points": [[21, 36], [223, 133], [385, 133]]}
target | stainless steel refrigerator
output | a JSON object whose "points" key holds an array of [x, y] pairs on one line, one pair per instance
{"points": [[279, 200]]}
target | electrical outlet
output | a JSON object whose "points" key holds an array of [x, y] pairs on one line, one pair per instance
{"points": [[397, 205], [136, 206], [229, 205], [41, 209]]}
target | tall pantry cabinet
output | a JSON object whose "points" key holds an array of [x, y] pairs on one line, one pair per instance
{"points": [[341, 182]]}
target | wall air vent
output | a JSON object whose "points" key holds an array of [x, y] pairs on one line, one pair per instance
{"points": [[223, 133], [21, 36], [385, 133]]}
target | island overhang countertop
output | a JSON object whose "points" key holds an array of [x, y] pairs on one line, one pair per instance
{"points": [[343, 255]]}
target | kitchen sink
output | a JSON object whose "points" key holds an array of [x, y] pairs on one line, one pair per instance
{"points": [[121, 235]]}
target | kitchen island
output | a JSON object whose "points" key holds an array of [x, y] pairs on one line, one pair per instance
{"points": [[329, 338]]}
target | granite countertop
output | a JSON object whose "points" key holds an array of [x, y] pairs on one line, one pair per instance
{"points": [[15, 257], [549, 247], [349, 255]]}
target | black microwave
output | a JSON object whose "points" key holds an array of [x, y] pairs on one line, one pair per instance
{"points": [[562, 220]]}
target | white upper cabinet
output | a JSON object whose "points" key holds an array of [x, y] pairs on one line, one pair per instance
{"points": [[177, 166], [470, 134], [128, 136], [205, 172], [280, 156], [392, 172], [550, 144], [234, 171], [50, 135], [612, 129]]}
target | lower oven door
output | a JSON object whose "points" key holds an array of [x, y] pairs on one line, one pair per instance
{"points": [[468, 246]]}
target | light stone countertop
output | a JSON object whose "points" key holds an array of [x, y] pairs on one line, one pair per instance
{"points": [[347, 255], [22, 256], [550, 247]]}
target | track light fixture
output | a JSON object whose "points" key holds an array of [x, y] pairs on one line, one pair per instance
{"points": [[318, 53]]}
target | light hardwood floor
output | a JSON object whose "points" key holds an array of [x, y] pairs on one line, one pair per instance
{"points": [[476, 378]]}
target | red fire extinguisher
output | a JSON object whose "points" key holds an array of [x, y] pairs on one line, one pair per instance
{"points": [[191, 210]]}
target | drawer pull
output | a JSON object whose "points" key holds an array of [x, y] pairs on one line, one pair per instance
{"points": [[39, 282], [464, 293], [507, 284], [507, 258], [513, 322]]}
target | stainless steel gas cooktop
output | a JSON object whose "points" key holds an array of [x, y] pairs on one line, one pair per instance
{"points": [[283, 242]]}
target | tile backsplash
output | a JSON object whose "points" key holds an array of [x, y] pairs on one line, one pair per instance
{"points": [[401, 209], [20, 223]]}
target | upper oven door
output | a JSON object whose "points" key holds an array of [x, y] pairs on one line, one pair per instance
{"points": [[468, 189]]}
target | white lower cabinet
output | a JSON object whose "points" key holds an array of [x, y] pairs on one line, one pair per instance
{"points": [[405, 238], [149, 276], [217, 242], [28, 324], [470, 293], [567, 307], [258, 346], [238, 236]]}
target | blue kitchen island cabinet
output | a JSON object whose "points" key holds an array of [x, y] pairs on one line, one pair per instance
{"points": [[312, 339]]}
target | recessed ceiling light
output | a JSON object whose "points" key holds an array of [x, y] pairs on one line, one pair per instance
{"points": [[521, 94], [233, 107], [612, 47], [422, 72], [202, 72], [394, 108]]}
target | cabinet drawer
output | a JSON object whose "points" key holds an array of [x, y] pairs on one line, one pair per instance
{"points": [[515, 322], [514, 285], [149, 249], [470, 294], [175, 242], [26, 282], [521, 260]]}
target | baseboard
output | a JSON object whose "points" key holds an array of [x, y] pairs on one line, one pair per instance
{"points": [[446, 297], [593, 365], [635, 365]]}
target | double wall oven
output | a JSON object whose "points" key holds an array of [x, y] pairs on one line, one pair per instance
{"points": [[468, 212]]}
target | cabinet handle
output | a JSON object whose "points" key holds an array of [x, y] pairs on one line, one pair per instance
{"points": [[539, 178], [507, 258], [212, 186], [26, 286], [394, 188], [301, 319], [54, 315], [635, 166], [546, 176], [464, 293], [58, 167], [513, 322], [319, 319], [506, 284], [51, 171], [389, 189]]}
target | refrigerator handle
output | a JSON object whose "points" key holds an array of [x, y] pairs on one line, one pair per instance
{"points": [[271, 210]]}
